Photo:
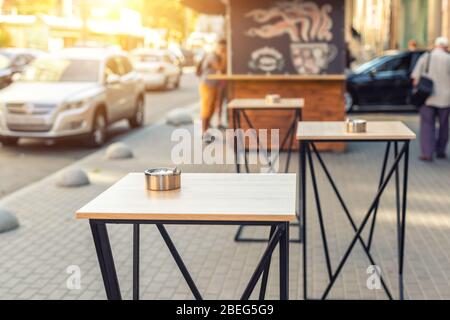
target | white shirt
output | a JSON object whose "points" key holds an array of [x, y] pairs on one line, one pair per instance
{"points": [[440, 74]]}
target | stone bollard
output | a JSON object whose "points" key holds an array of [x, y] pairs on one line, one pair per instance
{"points": [[118, 151], [8, 221], [179, 117], [72, 178]]}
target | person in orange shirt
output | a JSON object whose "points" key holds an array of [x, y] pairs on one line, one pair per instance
{"points": [[213, 63]]}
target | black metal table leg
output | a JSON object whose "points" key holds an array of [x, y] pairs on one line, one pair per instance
{"points": [[262, 291], [302, 157], [105, 259], [284, 262], [242, 140], [136, 244], [319, 214], [262, 265], [293, 134], [383, 172], [403, 219], [236, 155], [179, 262]]}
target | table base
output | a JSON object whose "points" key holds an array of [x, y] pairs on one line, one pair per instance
{"points": [[291, 135], [279, 235], [306, 150]]}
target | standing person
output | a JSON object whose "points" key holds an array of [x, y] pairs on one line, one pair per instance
{"points": [[438, 104], [349, 58], [222, 86], [412, 45], [211, 64]]}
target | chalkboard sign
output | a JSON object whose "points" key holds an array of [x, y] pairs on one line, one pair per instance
{"points": [[287, 37]]}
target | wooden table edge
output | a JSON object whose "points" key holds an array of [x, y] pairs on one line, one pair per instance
{"points": [[187, 217], [265, 105], [355, 138]]}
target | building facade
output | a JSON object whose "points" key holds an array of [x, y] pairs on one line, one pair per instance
{"points": [[374, 26]]}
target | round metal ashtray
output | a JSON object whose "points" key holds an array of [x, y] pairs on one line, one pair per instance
{"points": [[356, 126], [163, 179], [273, 98]]}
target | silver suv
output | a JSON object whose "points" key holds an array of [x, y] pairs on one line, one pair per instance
{"points": [[74, 93]]}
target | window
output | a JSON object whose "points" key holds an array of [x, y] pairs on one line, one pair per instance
{"points": [[61, 70], [396, 64], [111, 67], [127, 66]]}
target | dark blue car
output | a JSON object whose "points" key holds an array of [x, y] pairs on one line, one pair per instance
{"points": [[383, 81]]}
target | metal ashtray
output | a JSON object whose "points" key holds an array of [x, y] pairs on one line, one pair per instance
{"points": [[163, 179], [273, 98], [356, 126]]}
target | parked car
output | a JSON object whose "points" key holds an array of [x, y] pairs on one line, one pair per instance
{"points": [[178, 54], [70, 94], [383, 81], [13, 61], [159, 69]]}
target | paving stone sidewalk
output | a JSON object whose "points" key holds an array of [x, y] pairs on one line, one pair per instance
{"points": [[34, 259]]}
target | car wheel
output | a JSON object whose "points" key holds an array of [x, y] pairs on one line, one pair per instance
{"points": [[9, 141], [177, 82], [98, 135], [166, 85], [139, 115], [349, 102]]}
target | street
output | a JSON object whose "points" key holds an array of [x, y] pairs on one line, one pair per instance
{"points": [[33, 160]]}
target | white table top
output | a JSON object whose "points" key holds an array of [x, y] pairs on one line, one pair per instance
{"points": [[376, 131], [262, 104], [202, 197]]}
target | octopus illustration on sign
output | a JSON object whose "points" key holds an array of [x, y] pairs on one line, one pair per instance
{"points": [[308, 26]]}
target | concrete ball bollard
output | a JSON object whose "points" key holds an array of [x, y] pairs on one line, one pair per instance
{"points": [[72, 178], [8, 221], [179, 117], [118, 151]]}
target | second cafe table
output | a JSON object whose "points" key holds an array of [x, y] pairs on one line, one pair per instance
{"points": [[204, 199], [391, 133]]}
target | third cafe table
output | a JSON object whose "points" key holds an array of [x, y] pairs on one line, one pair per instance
{"points": [[239, 107]]}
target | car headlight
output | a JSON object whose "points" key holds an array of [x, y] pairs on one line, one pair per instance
{"points": [[75, 105]]}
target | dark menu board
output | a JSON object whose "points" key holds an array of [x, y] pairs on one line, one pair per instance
{"points": [[287, 37]]}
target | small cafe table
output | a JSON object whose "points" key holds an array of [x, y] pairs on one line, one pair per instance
{"points": [[204, 199], [394, 134], [239, 107]]}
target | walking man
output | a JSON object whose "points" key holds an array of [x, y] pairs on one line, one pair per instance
{"points": [[438, 104]]}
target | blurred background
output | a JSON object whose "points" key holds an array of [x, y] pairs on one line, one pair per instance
{"points": [[72, 68], [55, 24]]}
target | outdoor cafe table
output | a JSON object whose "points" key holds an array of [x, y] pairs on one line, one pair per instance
{"points": [[204, 199], [391, 133], [240, 107]]}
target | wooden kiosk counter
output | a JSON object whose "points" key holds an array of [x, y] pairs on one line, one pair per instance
{"points": [[294, 48]]}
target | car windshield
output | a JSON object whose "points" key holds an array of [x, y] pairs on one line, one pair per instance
{"points": [[146, 58], [5, 61], [62, 70], [370, 64]]}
